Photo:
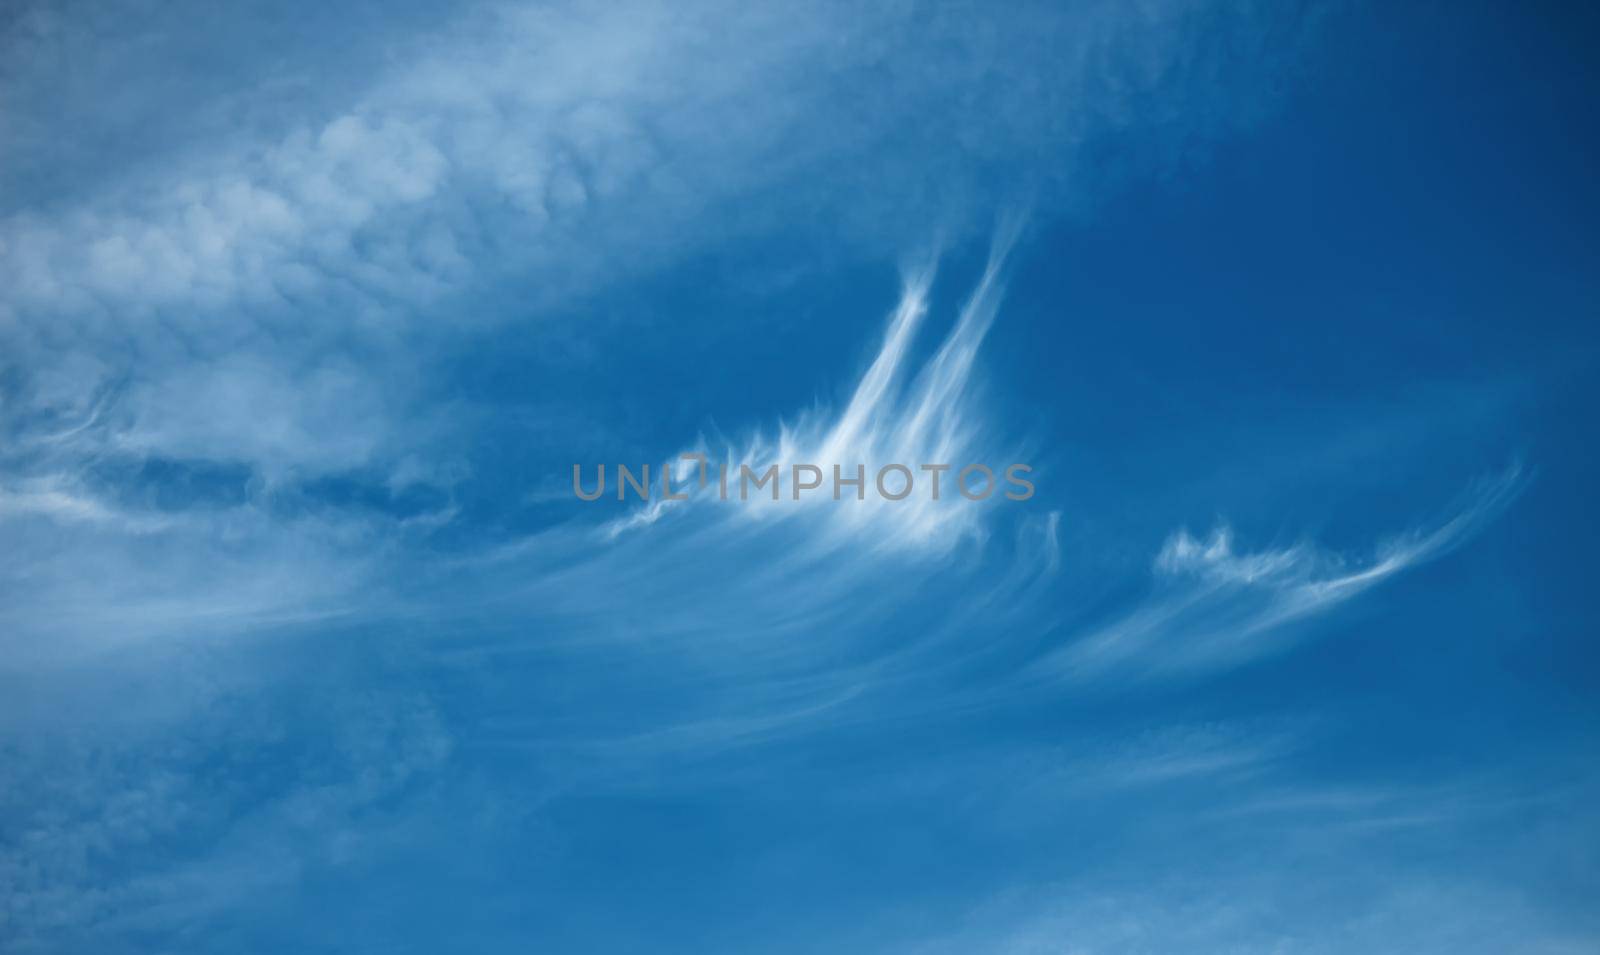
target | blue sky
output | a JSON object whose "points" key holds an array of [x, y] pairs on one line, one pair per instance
{"points": [[306, 312]]}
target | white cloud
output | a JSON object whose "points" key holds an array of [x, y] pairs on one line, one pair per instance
{"points": [[892, 418], [1213, 606], [554, 149]]}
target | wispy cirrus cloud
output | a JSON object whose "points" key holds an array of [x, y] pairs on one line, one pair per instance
{"points": [[1213, 606], [927, 425]]}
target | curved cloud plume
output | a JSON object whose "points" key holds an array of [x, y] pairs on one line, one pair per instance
{"points": [[1214, 606]]}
